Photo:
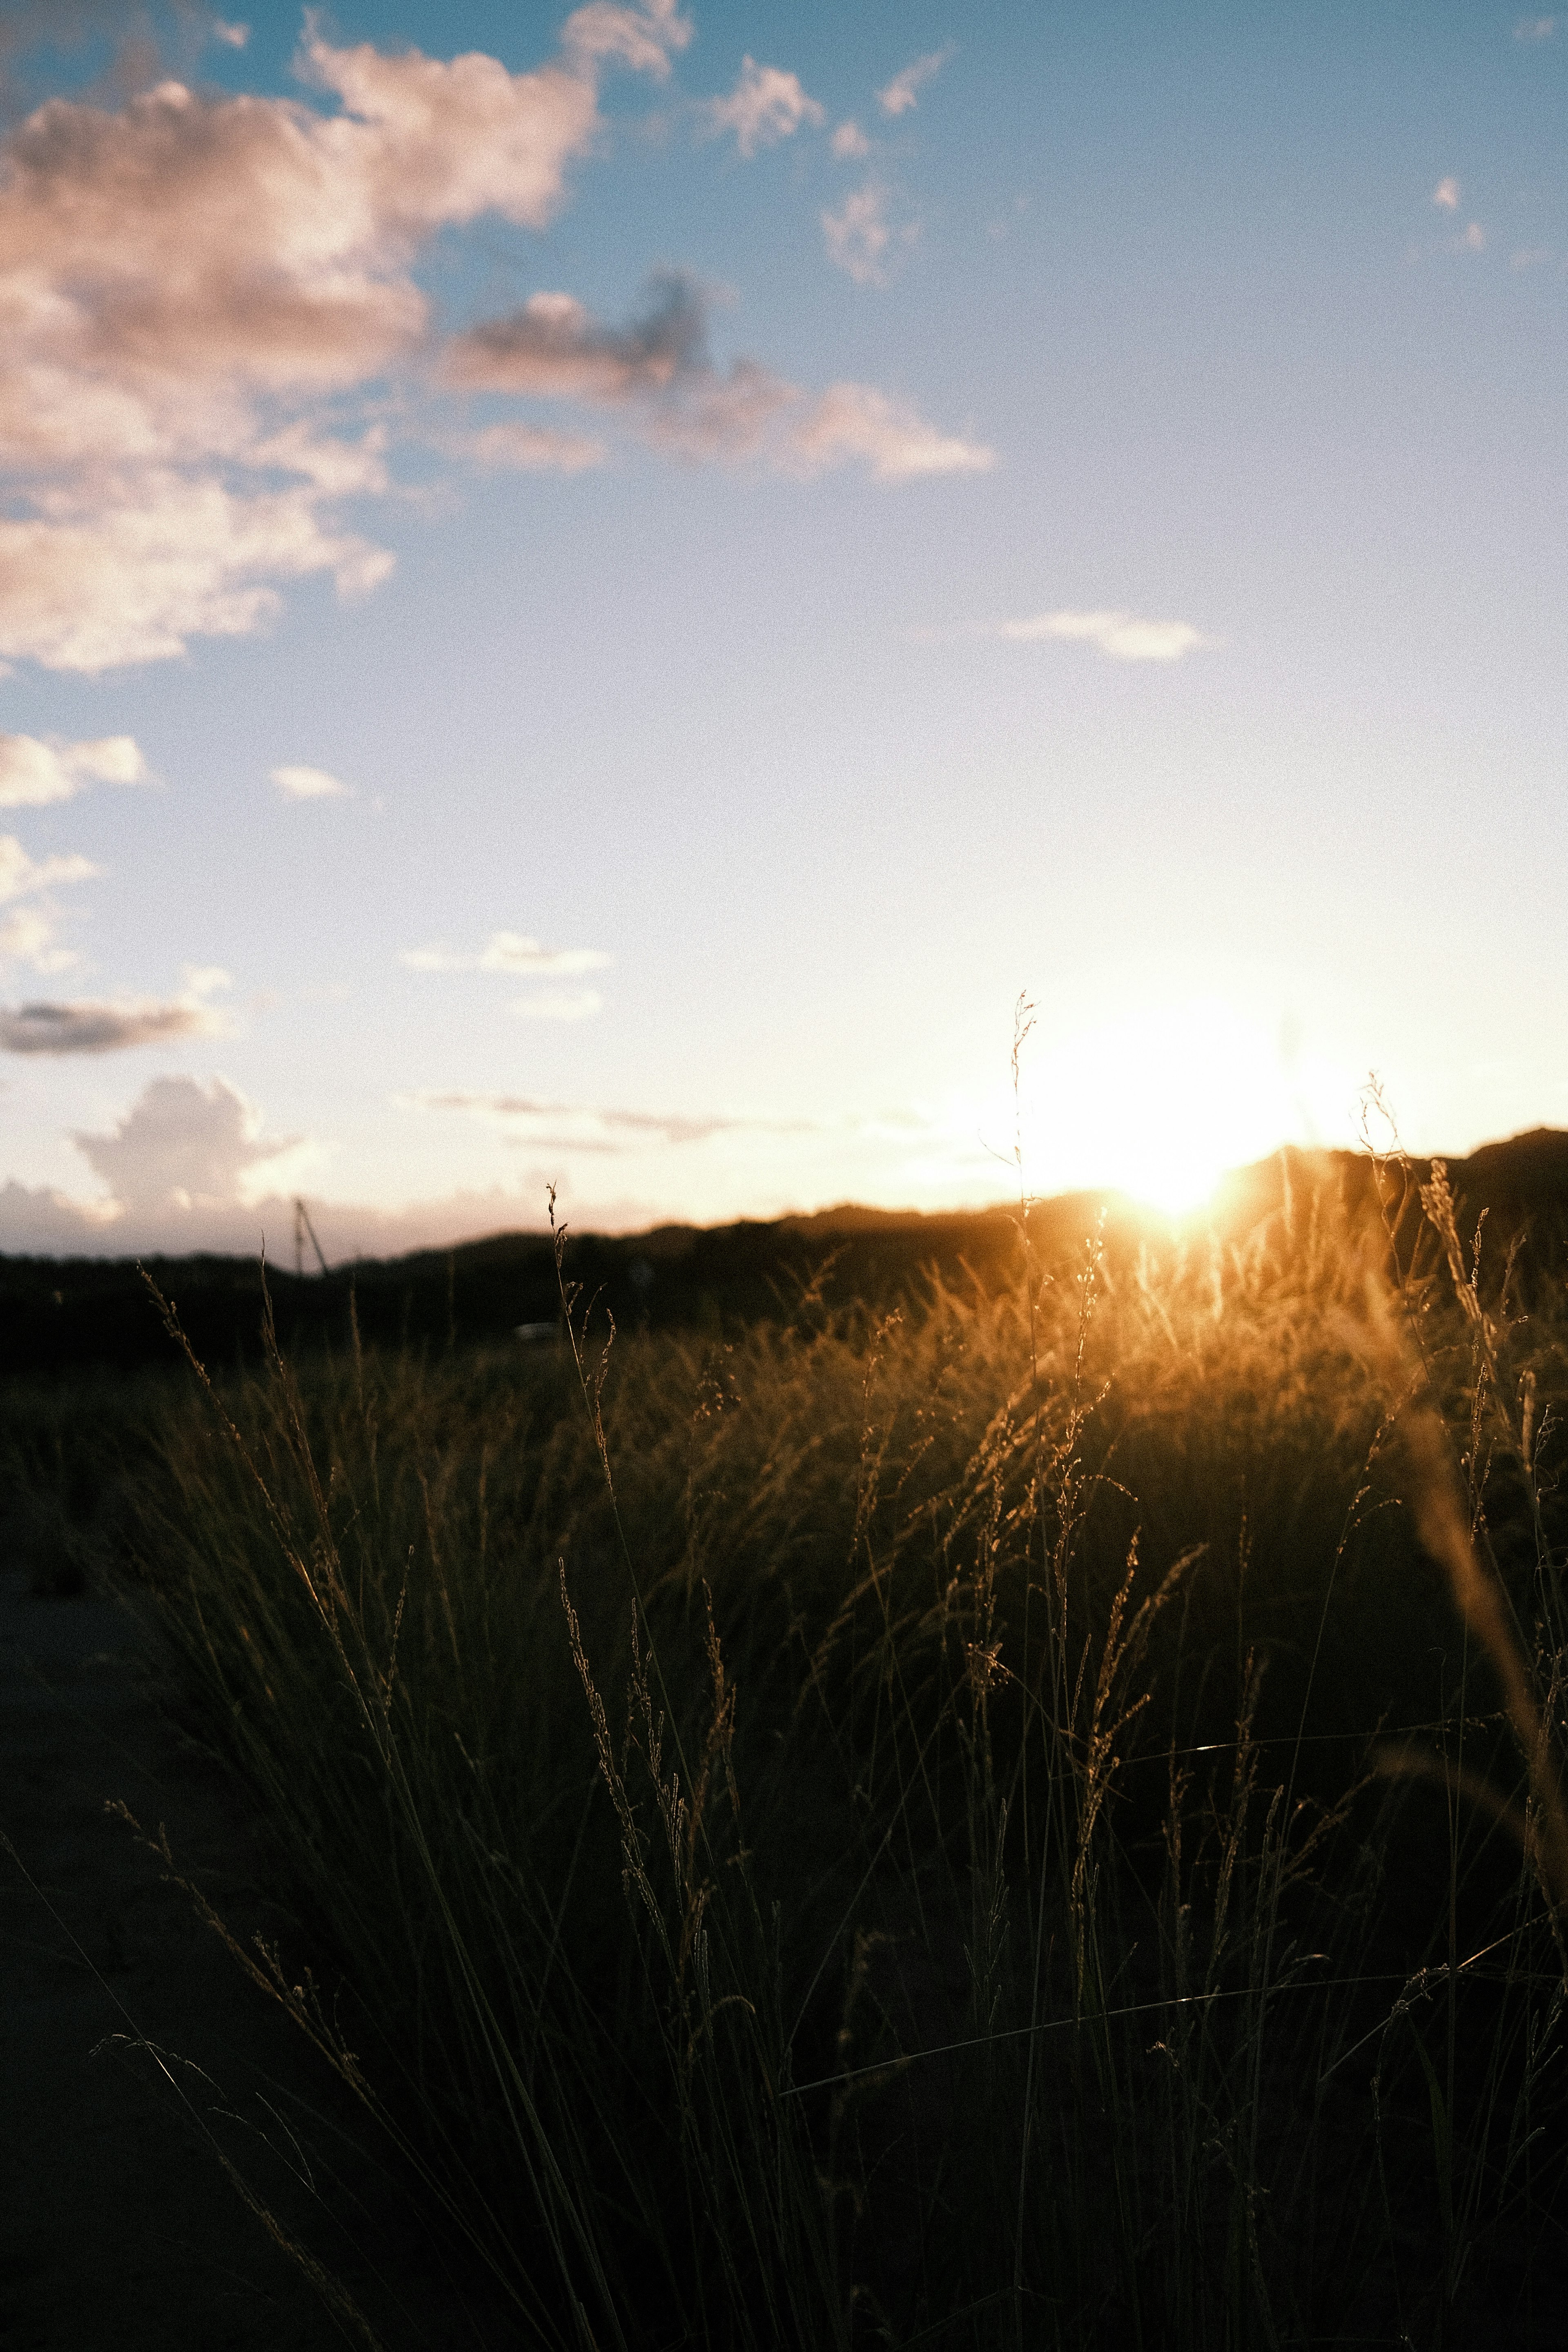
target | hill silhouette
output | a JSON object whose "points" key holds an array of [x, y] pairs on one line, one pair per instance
{"points": [[61, 1315]]}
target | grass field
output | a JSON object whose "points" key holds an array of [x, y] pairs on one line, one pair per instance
{"points": [[1031, 1819]]}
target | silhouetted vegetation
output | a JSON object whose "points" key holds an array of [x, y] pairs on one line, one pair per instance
{"points": [[1004, 1796]]}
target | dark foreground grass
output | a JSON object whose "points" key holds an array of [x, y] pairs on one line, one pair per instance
{"points": [[1033, 1822]]}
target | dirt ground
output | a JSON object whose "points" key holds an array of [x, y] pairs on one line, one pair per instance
{"points": [[132, 2048]]}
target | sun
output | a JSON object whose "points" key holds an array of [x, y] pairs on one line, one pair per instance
{"points": [[1157, 1102]]}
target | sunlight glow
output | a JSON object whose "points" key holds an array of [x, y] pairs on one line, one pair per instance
{"points": [[1158, 1102]]}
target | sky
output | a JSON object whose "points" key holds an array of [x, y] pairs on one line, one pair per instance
{"points": [[593, 597]]}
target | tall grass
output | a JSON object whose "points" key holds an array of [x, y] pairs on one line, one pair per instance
{"points": [[1033, 1820]]}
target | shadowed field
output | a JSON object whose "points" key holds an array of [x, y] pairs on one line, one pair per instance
{"points": [[1025, 1813]]}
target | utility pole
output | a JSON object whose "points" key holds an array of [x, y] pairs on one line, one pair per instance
{"points": [[302, 1226]]}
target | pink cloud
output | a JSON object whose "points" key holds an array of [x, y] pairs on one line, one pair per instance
{"points": [[659, 371], [177, 273], [197, 289]]}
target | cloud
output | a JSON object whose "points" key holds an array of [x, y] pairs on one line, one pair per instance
{"points": [[33, 774], [895, 443], [309, 784], [232, 37], [511, 952], [859, 236], [850, 142], [21, 875], [553, 349], [29, 935], [658, 373], [182, 1146], [585, 1129], [101, 1027], [531, 449], [1474, 239], [1123, 636], [187, 280], [766, 106], [1446, 195], [1535, 29], [1529, 257], [91, 586], [640, 38], [899, 95]]}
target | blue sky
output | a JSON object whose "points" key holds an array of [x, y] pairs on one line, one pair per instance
{"points": [[752, 536]]}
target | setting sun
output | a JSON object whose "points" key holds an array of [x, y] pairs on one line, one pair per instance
{"points": [[1158, 1102]]}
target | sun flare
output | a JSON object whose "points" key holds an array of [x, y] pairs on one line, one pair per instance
{"points": [[1157, 1103]]}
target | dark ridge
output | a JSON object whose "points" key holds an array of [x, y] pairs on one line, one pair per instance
{"points": [[61, 1315]]}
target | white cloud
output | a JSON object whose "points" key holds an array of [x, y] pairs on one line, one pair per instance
{"points": [[767, 104], [298, 784], [29, 935], [233, 36], [183, 1147], [512, 952], [21, 875], [850, 142], [101, 1027], [900, 93], [1535, 29], [1529, 257], [560, 1004], [33, 774], [859, 236], [1122, 635], [1475, 238], [1446, 195]]}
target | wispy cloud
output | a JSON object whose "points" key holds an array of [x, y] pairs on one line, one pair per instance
{"points": [[30, 935], [100, 1026], [657, 371], [111, 1024], [530, 449], [1474, 238], [1446, 195], [767, 104], [850, 142], [893, 441], [902, 92], [511, 952], [574, 1125], [860, 237], [21, 875], [1124, 636], [1535, 29], [298, 784], [34, 772]]}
